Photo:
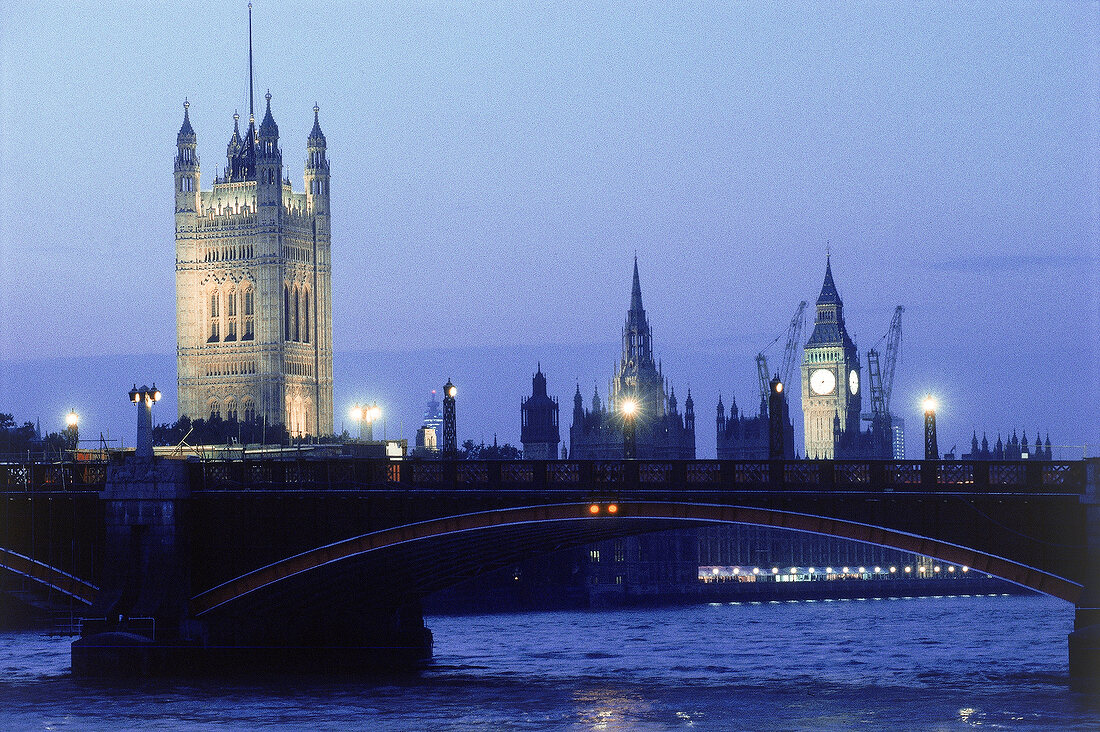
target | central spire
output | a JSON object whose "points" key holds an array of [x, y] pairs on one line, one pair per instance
{"points": [[636, 290], [251, 108]]}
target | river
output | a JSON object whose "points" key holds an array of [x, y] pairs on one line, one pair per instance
{"points": [[938, 663]]}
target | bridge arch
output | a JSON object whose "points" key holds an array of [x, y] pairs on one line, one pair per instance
{"points": [[48, 576], [603, 520]]}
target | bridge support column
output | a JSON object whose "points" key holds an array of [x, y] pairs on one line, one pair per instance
{"points": [[1084, 641], [143, 603]]}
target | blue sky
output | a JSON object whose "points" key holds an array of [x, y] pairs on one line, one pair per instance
{"points": [[495, 166]]}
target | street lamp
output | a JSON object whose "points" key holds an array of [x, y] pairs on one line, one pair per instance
{"points": [[144, 397], [371, 413], [72, 430], [931, 449], [630, 443]]}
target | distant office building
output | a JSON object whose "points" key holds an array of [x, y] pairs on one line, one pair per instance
{"points": [[897, 433], [660, 431], [539, 421], [433, 417], [741, 437], [426, 440]]}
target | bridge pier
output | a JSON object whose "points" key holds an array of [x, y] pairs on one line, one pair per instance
{"points": [[1084, 641], [142, 609]]}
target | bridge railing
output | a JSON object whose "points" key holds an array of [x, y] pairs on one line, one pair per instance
{"points": [[622, 475], [19, 477]]}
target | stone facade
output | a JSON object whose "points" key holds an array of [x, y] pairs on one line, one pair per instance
{"points": [[253, 283]]}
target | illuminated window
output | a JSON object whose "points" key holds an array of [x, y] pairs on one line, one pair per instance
{"points": [[594, 555]]}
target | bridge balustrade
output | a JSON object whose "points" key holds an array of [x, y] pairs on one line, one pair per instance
{"points": [[24, 477], [691, 475]]}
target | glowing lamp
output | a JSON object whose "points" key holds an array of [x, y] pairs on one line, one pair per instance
{"points": [[452, 391], [929, 404], [594, 509], [630, 407], [71, 419], [356, 413], [613, 508], [779, 387]]}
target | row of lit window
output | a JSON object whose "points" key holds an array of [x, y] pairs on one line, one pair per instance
{"points": [[226, 253], [822, 356], [230, 368], [247, 411], [297, 254], [299, 368]]}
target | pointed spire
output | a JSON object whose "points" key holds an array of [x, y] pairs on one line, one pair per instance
{"points": [[636, 289], [187, 132], [315, 135], [268, 128], [251, 96], [828, 295]]}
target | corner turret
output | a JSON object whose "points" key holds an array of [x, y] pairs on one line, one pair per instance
{"points": [[186, 169], [316, 168], [269, 168]]}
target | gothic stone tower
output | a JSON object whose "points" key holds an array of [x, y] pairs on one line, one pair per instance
{"points": [[539, 421], [253, 306], [662, 431], [830, 377]]}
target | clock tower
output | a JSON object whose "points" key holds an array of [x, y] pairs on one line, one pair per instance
{"points": [[831, 386]]}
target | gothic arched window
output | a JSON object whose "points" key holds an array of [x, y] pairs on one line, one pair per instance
{"points": [[215, 318], [249, 307], [215, 410], [231, 315], [286, 312], [305, 316], [297, 315]]}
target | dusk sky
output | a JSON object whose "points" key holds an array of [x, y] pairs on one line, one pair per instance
{"points": [[496, 166]]}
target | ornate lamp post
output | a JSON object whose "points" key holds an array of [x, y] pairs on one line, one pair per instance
{"points": [[931, 449], [630, 439], [144, 397], [450, 427]]}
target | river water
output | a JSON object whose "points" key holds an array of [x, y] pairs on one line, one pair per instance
{"points": [[940, 663]]}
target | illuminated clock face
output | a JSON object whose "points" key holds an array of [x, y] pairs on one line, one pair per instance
{"points": [[853, 382], [822, 381]]}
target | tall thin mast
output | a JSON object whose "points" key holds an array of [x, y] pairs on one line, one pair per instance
{"points": [[251, 110]]}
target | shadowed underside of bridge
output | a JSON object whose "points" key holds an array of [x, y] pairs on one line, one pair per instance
{"points": [[391, 567], [48, 577]]}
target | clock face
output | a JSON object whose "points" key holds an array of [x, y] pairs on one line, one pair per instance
{"points": [[853, 382], [822, 381]]}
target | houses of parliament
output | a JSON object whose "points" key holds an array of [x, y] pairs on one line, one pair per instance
{"points": [[253, 282]]}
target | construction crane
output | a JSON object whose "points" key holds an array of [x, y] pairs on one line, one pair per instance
{"points": [[881, 377], [790, 353]]}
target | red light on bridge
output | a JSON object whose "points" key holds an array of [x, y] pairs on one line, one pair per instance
{"points": [[594, 509], [613, 508]]}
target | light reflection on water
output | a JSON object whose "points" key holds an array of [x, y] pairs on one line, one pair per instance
{"points": [[948, 663]]}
